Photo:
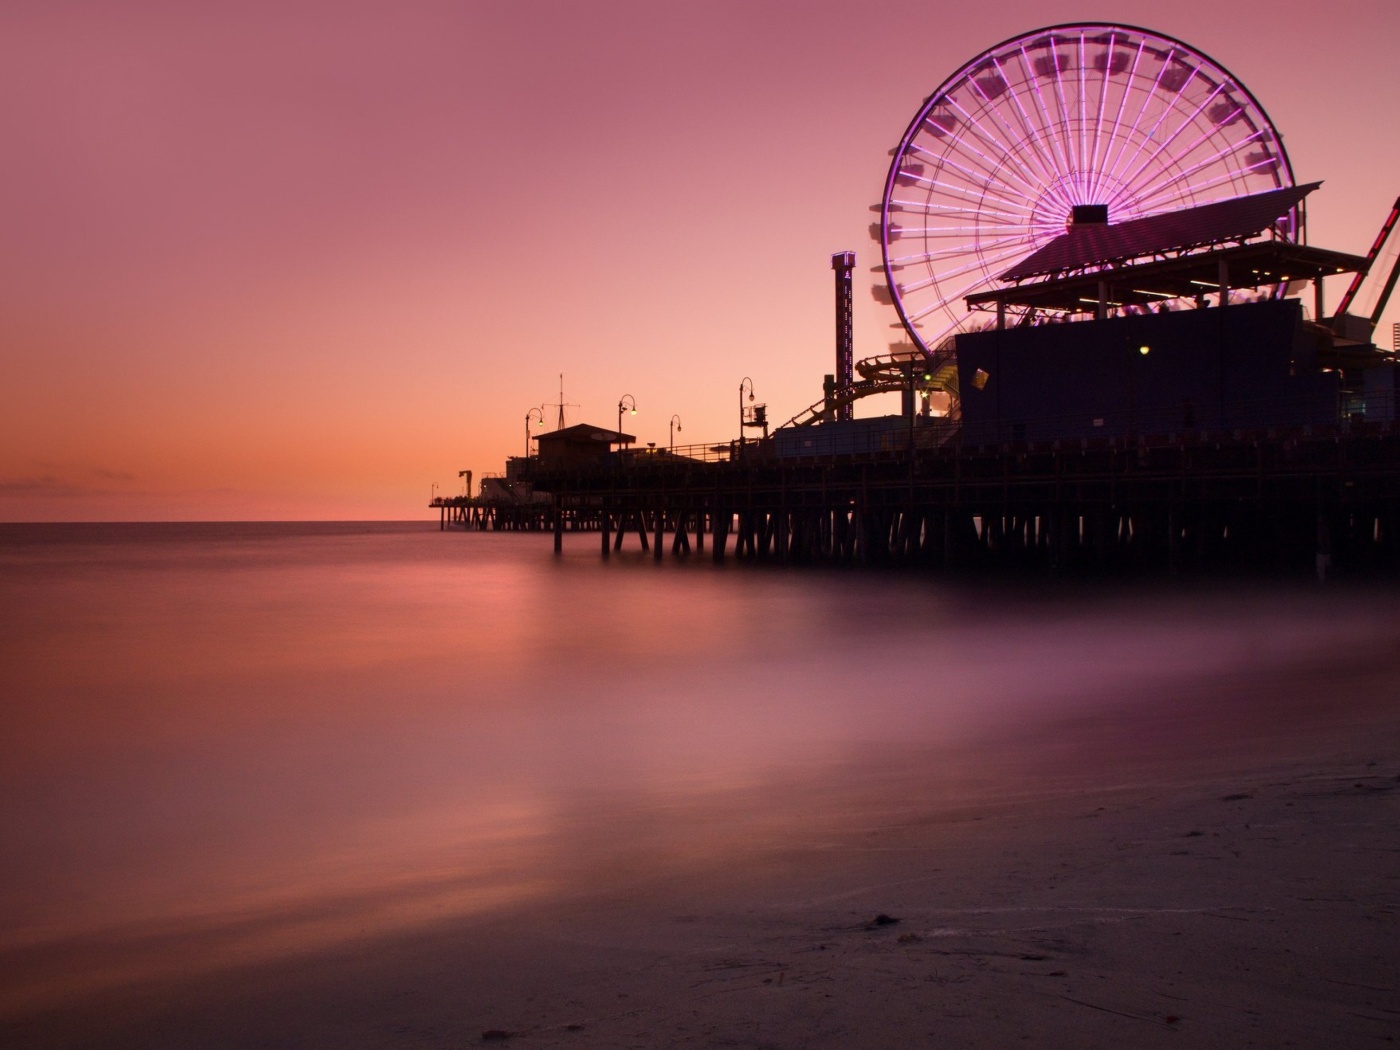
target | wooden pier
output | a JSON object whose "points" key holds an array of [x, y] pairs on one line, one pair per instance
{"points": [[1301, 501], [488, 515]]}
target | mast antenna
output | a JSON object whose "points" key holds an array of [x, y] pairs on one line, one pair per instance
{"points": [[561, 404]]}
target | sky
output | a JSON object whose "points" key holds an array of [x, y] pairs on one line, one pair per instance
{"points": [[308, 260]]}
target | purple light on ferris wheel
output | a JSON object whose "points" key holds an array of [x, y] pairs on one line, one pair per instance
{"points": [[1173, 178], [1167, 143], [1046, 122]]}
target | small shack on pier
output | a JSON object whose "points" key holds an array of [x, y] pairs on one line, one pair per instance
{"points": [[579, 445]]}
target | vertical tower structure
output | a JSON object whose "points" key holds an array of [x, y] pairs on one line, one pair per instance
{"points": [[843, 263]]}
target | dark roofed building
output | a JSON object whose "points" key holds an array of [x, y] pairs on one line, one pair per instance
{"points": [[1151, 364], [580, 443]]}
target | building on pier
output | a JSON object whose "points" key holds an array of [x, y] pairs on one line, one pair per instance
{"points": [[1188, 329], [579, 445]]}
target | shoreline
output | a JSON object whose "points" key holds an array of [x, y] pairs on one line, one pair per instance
{"points": [[1221, 864]]}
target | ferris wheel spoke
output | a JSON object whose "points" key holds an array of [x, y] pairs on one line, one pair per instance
{"points": [[1030, 139], [957, 324], [1083, 115], [1066, 122], [1141, 198], [1119, 136], [1152, 133], [1004, 153], [933, 232], [1065, 125], [976, 192], [993, 175], [933, 280], [1061, 164], [1201, 140], [984, 263], [1044, 124], [905, 261], [1093, 165], [1136, 192], [1101, 166], [985, 183], [1016, 141], [991, 169], [980, 264], [1032, 134], [1166, 144], [1135, 132], [948, 209], [1056, 199], [1170, 108], [1230, 175]]}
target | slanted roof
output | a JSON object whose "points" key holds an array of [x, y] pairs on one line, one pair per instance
{"points": [[1235, 219], [584, 433], [1244, 266]]}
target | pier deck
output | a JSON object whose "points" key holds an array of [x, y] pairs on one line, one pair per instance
{"points": [[1303, 500]]}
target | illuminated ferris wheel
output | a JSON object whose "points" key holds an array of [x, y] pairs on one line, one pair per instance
{"points": [[999, 158]]}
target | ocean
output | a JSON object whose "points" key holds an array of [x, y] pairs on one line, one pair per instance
{"points": [[223, 742]]}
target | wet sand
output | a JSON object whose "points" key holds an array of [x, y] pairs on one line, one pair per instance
{"points": [[1216, 866]]}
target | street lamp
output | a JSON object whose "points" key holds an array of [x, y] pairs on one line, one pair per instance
{"points": [[675, 428], [622, 403], [433, 497], [745, 382], [539, 422]]}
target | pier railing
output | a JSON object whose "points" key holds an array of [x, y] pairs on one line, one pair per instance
{"points": [[1185, 423]]}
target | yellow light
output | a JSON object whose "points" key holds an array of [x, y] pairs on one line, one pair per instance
{"points": [[1144, 350]]}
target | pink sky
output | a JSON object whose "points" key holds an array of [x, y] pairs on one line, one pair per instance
{"points": [[302, 260]]}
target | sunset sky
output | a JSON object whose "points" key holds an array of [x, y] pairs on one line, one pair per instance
{"points": [[303, 260]]}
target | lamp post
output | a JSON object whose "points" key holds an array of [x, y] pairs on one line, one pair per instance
{"points": [[540, 422], [745, 382], [622, 403], [433, 497], [675, 428]]}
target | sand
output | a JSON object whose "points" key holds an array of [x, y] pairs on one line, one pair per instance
{"points": [[1212, 868]]}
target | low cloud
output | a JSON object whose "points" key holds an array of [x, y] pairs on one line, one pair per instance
{"points": [[50, 484], [113, 475], [45, 485]]}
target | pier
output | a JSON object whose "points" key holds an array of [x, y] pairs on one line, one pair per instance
{"points": [[1128, 382], [1302, 501]]}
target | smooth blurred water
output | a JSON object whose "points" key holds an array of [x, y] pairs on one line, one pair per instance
{"points": [[275, 736]]}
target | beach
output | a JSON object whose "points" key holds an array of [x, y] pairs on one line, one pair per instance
{"points": [[1195, 856]]}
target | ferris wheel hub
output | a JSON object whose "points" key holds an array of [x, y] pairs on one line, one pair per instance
{"points": [[1089, 215]]}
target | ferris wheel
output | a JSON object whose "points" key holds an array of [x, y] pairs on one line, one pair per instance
{"points": [[997, 159]]}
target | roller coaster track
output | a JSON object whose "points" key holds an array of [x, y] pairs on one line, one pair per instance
{"points": [[885, 374]]}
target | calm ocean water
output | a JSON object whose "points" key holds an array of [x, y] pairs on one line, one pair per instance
{"points": [[273, 736]]}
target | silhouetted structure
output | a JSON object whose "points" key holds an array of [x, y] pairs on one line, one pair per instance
{"points": [[577, 445], [1138, 391]]}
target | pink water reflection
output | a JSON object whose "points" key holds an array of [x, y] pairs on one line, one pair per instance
{"points": [[217, 748]]}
